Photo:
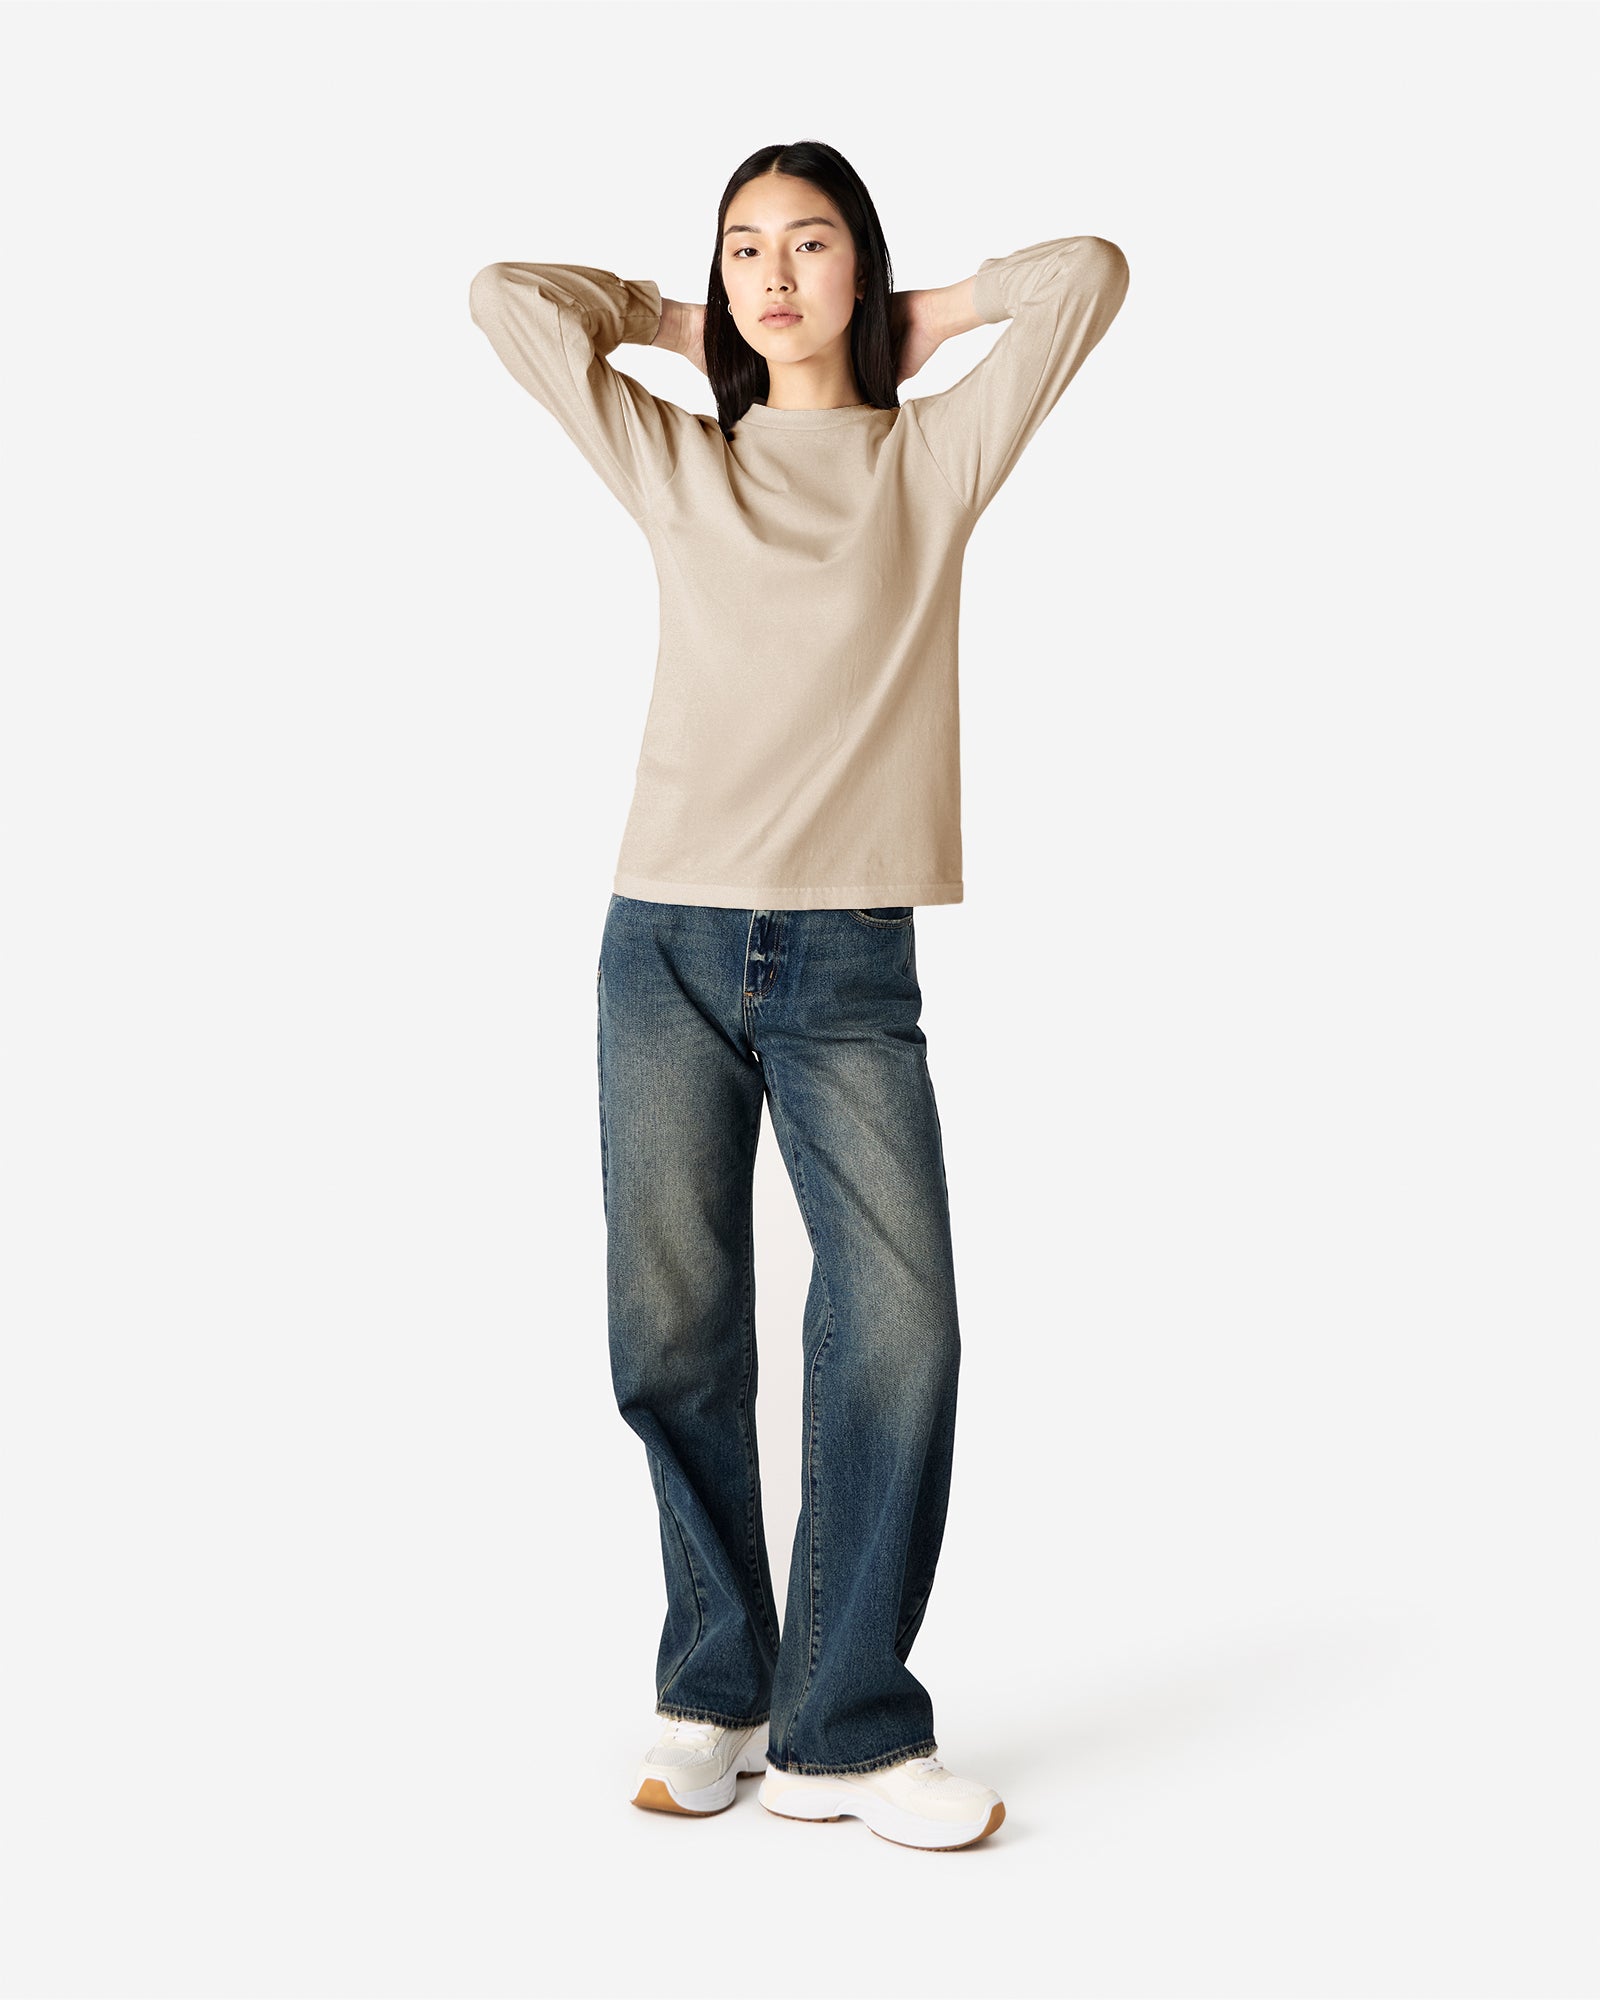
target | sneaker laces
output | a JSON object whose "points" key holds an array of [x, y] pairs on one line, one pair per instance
{"points": [[952, 1790], [691, 1732]]}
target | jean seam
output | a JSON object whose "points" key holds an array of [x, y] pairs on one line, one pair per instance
{"points": [[694, 1578], [600, 1064], [909, 1624], [751, 1470], [811, 1438], [816, 1515], [884, 923]]}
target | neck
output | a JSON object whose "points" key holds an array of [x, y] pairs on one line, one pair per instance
{"points": [[800, 386]]}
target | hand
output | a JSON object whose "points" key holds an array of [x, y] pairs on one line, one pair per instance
{"points": [[917, 335], [683, 331], [694, 348]]}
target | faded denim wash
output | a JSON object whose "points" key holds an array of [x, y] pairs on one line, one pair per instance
{"points": [[704, 1014]]}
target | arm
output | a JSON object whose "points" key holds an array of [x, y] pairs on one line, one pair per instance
{"points": [[553, 326], [1060, 296]]}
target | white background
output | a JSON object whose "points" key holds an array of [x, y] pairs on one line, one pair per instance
{"points": [[1264, 1039]]}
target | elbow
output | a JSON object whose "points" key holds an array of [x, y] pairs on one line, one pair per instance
{"points": [[484, 291], [1111, 265], [1101, 270]]}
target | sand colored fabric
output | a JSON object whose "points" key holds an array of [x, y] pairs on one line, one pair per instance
{"points": [[802, 744]]}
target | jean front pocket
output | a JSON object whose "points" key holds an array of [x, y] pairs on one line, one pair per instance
{"points": [[893, 917]]}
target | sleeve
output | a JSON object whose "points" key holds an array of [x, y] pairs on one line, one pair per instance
{"points": [[1060, 296], [553, 326]]}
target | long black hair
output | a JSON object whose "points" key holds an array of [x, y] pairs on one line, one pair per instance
{"points": [[737, 373]]}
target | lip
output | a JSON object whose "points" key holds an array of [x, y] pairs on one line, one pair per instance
{"points": [[779, 313]]}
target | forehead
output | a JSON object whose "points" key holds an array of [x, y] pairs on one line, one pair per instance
{"points": [[775, 204]]}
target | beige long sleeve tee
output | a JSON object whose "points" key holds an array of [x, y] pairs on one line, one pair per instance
{"points": [[802, 744]]}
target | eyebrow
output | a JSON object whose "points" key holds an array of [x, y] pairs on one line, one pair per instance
{"points": [[754, 229]]}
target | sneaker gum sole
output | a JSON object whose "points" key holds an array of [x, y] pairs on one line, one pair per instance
{"points": [[893, 1816], [654, 1796]]}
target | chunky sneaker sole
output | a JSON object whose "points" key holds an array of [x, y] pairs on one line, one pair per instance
{"points": [[661, 1789], [801, 1795]]}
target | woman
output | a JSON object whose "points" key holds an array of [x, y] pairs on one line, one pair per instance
{"points": [[797, 795]]}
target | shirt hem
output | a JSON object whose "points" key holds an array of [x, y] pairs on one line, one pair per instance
{"points": [[787, 896]]}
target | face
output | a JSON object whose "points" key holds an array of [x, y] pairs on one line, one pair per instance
{"points": [[784, 246]]}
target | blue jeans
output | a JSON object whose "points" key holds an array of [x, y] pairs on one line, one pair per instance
{"points": [[705, 1013]]}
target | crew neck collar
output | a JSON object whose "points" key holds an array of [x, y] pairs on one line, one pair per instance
{"points": [[810, 420]]}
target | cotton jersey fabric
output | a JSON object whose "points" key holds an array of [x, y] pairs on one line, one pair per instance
{"points": [[802, 743]]}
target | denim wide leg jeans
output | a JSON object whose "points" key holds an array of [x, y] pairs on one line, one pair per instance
{"points": [[704, 1014]]}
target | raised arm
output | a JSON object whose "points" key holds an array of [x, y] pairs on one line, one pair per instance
{"points": [[553, 326], [1060, 296]]}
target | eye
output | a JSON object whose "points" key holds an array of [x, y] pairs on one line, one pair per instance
{"points": [[735, 256]]}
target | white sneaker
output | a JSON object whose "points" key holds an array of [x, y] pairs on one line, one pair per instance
{"points": [[695, 1767], [917, 1804]]}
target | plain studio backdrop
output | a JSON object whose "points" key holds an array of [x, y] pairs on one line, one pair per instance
{"points": [[1265, 1039]]}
